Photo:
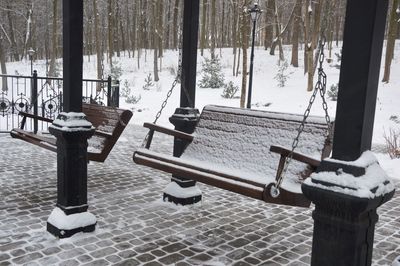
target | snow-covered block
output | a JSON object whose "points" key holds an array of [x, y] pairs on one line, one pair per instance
{"points": [[71, 121], [175, 190], [64, 223], [374, 183]]}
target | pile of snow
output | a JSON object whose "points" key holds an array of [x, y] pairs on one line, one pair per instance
{"points": [[373, 184]]}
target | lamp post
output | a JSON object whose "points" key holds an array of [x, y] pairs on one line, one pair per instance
{"points": [[255, 13], [31, 53]]}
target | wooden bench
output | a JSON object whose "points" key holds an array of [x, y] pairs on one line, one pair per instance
{"points": [[109, 124], [240, 150]]}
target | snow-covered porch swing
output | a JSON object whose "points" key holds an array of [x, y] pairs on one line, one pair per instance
{"points": [[243, 150]]}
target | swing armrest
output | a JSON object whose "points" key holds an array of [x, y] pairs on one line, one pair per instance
{"points": [[168, 131], [296, 156], [25, 115]]}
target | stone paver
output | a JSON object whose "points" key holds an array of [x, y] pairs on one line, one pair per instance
{"points": [[136, 228]]}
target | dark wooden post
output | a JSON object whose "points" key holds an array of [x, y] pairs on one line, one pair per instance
{"points": [[186, 117], [72, 131], [344, 221]]}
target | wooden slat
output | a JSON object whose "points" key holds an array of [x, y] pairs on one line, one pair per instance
{"points": [[44, 142], [236, 185], [181, 163], [36, 117], [168, 131], [109, 122], [206, 178], [296, 156]]}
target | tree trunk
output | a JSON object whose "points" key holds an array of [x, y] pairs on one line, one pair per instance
{"points": [[160, 28], [296, 33], [279, 33], [134, 40], [14, 47], [52, 67], [203, 34], [317, 21], [168, 23], [175, 22], [128, 29], [110, 32], [155, 42], [234, 35], [4, 85], [116, 32], [269, 24], [391, 39], [245, 40], [309, 47], [213, 28], [98, 41]]}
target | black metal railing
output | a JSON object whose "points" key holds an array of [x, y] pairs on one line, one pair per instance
{"points": [[43, 96]]}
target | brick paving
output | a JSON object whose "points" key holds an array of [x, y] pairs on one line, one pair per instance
{"points": [[136, 228]]}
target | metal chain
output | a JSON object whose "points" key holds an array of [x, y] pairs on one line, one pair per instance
{"points": [[320, 87], [174, 83], [169, 93]]}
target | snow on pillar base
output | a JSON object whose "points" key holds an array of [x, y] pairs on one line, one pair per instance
{"points": [[182, 195], [61, 225], [345, 210]]}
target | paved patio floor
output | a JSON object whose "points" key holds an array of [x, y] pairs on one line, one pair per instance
{"points": [[136, 228]]}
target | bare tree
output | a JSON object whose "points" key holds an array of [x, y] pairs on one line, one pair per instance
{"points": [[296, 33], [52, 69], [391, 39], [213, 27], [244, 30]]}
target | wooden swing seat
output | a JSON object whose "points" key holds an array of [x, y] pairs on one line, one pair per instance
{"points": [[237, 150], [109, 123]]}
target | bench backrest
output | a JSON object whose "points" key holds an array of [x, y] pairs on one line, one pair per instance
{"points": [[237, 140], [109, 123]]}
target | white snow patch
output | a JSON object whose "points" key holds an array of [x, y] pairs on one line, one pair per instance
{"points": [[361, 186], [177, 191], [72, 121], [68, 222]]}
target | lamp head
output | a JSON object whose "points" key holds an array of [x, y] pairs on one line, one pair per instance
{"points": [[255, 12], [31, 52]]}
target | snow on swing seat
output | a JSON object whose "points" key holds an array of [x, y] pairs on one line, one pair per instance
{"points": [[231, 150]]}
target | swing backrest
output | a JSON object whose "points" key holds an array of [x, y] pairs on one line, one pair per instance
{"points": [[238, 141]]}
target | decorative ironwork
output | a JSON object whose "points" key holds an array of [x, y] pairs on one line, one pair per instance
{"points": [[22, 104], [4, 105], [19, 96]]}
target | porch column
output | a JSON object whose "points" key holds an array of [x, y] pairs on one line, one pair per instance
{"points": [[72, 130], [186, 116], [345, 211]]}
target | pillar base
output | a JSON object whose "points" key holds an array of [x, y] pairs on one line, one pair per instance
{"points": [[62, 225], [345, 211], [70, 215], [183, 191], [181, 195]]}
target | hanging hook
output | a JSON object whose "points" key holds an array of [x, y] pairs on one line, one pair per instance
{"points": [[274, 191]]}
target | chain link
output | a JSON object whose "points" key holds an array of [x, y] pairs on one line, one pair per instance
{"points": [[169, 93], [320, 87]]}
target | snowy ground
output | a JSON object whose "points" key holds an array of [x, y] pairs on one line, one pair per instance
{"points": [[267, 95]]}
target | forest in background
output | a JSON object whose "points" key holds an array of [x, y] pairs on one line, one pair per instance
{"points": [[145, 28]]}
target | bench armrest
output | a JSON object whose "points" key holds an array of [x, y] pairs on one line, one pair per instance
{"points": [[25, 115], [168, 131], [296, 156], [172, 132]]}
